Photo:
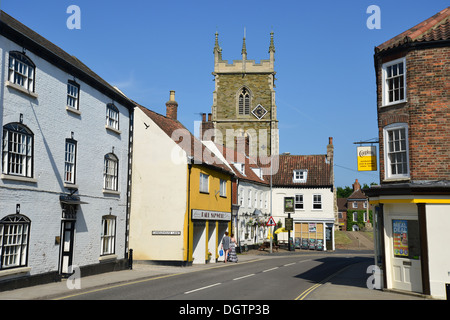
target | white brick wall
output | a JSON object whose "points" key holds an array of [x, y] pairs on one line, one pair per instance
{"points": [[51, 124]]}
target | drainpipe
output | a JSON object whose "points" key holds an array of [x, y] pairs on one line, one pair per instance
{"points": [[188, 207]]}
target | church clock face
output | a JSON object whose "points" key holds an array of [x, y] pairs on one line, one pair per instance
{"points": [[259, 112]]}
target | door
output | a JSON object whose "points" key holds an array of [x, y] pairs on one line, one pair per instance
{"points": [[405, 253], [67, 231]]}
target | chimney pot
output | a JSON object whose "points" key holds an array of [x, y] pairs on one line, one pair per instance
{"points": [[209, 117]]}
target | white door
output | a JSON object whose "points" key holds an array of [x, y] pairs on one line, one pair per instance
{"points": [[403, 232]]}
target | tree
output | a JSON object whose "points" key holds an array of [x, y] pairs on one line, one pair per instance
{"points": [[344, 192]]}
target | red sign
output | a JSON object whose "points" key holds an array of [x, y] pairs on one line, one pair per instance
{"points": [[271, 222]]}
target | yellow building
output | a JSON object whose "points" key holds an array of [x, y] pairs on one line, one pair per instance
{"points": [[208, 212], [181, 194]]}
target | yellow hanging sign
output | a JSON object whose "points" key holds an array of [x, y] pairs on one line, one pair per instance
{"points": [[367, 158]]}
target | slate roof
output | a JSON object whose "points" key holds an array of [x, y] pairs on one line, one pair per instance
{"points": [[435, 28], [194, 147], [32, 41], [319, 171]]}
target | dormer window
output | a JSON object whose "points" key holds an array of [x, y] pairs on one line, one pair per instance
{"points": [[240, 167], [300, 175]]}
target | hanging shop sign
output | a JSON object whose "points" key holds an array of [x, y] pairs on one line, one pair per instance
{"points": [[210, 215], [367, 158], [289, 204]]}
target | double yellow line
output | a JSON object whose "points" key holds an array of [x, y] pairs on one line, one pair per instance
{"points": [[305, 293]]}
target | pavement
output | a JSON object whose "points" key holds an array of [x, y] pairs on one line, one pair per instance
{"points": [[349, 283]]}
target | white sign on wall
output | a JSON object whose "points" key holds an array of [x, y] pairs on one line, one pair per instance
{"points": [[210, 215]]}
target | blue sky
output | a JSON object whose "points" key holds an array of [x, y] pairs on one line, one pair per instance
{"points": [[324, 58]]}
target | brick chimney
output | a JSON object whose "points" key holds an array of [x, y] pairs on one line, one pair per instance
{"points": [[356, 185], [171, 106]]}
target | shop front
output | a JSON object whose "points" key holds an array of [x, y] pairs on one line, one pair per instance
{"points": [[209, 228], [313, 235]]}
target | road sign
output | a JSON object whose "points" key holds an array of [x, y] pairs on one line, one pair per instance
{"points": [[271, 222]]}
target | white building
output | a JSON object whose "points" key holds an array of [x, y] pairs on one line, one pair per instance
{"points": [[309, 180], [65, 162], [253, 192]]}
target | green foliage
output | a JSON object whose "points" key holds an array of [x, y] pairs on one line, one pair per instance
{"points": [[360, 219], [344, 192]]}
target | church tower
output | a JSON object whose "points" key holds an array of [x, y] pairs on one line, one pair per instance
{"points": [[244, 102]]}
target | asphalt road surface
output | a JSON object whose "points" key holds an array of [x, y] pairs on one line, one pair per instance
{"points": [[278, 278]]}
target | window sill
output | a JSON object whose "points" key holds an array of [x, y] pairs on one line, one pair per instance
{"points": [[392, 104], [397, 179], [73, 110], [106, 191], [18, 178], [68, 185], [14, 271], [113, 129], [107, 257], [21, 89]]}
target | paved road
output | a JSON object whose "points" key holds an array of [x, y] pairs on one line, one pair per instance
{"points": [[283, 278]]}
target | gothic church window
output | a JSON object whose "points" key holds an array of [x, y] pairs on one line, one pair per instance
{"points": [[244, 102]]}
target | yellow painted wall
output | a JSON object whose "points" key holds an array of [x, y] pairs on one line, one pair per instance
{"points": [[205, 201]]}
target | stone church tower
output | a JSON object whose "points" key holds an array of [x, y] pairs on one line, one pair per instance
{"points": [[244, 103]]}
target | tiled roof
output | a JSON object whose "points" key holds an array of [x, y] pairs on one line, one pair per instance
{"points": [[34, 42], [342, 204], [358, 194], [435, 28], [319, 171], [194, 147], [233, 156]]}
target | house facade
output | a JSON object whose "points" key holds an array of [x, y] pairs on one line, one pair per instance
{"points": [[64, 196], [309, 180], [182, 193], [412, 204], [251, 208]]}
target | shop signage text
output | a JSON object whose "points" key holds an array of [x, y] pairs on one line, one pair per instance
{"points": [[211, 215]]}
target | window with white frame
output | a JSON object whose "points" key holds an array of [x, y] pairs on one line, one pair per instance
{"points": [[21, 70], [298, 202], [394, 81], [241, 197], [204, 182], [14, 235], [73, 91], [70, 161], [355, 204], [317, 202], [17, 150], [110, 172], [108, 237], [300, 175], [249, 203], [396, 151], [355, 216], [112, 116], [223, 188]]}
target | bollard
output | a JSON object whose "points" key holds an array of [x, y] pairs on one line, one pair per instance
{"points": [[130, 259]]}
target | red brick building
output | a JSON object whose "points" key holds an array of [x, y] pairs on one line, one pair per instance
{"points": [[412, 204]]}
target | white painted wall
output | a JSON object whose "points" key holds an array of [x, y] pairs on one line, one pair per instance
{"points": [[51, 124], [159, 193], [438, 221], [246, 211]]}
